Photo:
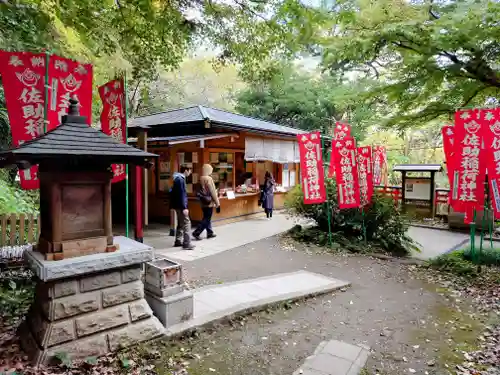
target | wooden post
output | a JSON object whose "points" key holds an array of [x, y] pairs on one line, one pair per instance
{"points": [[139, 231], [433, 195], [108, 229], [56, 212], [403, 190], [142, 142]]}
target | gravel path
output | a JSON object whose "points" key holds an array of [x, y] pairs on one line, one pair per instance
{"points": [[402, 319]]}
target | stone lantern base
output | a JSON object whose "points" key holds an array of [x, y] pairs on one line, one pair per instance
{"points": [[90, 305]]}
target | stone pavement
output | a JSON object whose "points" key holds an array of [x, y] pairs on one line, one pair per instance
{"points": [[216, 302], [335, 358], [229, 236], [435, 242]]}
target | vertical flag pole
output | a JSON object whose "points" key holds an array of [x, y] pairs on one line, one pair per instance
{"points": [[126, 165], [46, 103], [473, 237], [329, 211]]}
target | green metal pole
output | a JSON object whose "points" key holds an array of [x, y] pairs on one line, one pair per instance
{"points": [[126, 165], [46, 103], [473, 237]]}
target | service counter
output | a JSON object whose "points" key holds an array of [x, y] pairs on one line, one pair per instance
{"points": [[242, 207]]}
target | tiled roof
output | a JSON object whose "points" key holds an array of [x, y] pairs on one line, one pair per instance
{"points": [[216, 116], [74, 138]]}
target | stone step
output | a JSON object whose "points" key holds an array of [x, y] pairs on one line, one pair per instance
{"points": [[335, 358], [217, 302]]}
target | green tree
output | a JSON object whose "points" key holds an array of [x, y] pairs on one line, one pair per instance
{"points": [[195, 82], [430, 57], [307, 101]]}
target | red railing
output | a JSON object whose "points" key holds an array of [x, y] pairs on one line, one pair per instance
{"points": [[396, 193]]}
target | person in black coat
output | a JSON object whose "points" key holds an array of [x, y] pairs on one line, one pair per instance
{"points": [[267, 196]]}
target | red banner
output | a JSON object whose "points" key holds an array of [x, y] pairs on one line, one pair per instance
{"points": [[365, 174], [448, 133], [113, 119], [379, 165], [23, 76], [490, 119], [311, 168], [470, 162], [340, 132], [68, 79], [346, 173]]}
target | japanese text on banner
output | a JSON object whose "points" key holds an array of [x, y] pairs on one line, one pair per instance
{"points": [[365, 174], [340, 132], [379, 165], [113, 118], [68, 79], [311, 167], [470, 170], [490, 118], [23, 76], [346, 173]]}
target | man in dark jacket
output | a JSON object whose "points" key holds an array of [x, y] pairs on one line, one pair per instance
{"points": [[179, 202]]}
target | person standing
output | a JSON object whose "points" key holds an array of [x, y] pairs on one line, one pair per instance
{"points": [[179, 202], [208, 200], [268, 195]]}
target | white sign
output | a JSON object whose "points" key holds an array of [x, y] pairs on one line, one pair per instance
{"points": [[230, 194], [417, 188]]}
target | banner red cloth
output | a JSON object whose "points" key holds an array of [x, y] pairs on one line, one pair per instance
{"points": [[490, 119], [113, 118], [68, 79], [470, 161], [340, 132], [365, 172], [379, 165], [23, 76], [448, 133], [346, 173], [311, 168]]}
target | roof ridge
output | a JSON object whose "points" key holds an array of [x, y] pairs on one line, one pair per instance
{"points": [[167, 111], [250, 117]]}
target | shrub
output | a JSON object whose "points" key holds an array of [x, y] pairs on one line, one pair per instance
{"points": [[454, 262], [15, 200], [385, 226]]}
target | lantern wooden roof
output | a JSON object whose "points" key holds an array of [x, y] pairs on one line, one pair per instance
{"points": [[74, 139]]}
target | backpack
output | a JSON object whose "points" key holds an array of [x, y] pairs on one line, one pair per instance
{"points": [[204, 197]]}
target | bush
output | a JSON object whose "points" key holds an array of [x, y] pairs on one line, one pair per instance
{"points": [[15, 200], [385, 226], [455, 263]]}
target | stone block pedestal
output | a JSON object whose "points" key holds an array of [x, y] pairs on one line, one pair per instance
{"points": [[89, 305], [165, 292]]}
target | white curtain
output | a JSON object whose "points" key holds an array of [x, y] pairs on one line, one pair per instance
{"points": [[275, 150]]}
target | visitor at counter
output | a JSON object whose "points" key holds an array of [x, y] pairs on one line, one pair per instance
{"points": [[267, 196], [179, 202], [208, 199]]}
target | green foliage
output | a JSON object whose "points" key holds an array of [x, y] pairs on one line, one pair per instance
{"points": [[385, 226], [16, 295], [462, 263], [455, 263], [15, 200], [305, 101], [430, 57]]}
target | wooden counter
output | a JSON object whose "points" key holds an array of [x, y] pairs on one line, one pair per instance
{"points": [[243, 207]]}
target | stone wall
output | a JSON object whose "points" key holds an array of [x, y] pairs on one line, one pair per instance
{"points": [[89, 316]]}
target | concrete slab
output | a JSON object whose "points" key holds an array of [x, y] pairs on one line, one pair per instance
{"points": [[435, 242], [213, 303], [335, 358], [229, 236]]}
